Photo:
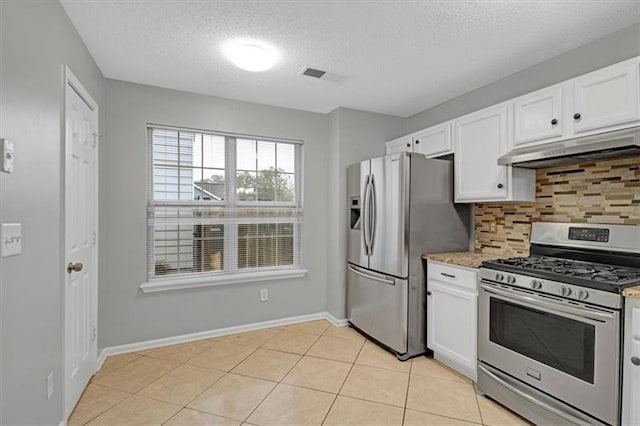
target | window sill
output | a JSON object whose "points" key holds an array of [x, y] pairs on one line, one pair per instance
{"points": [[195, 282]]}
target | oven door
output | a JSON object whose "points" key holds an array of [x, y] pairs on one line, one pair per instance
{"points": [[567, 350]]}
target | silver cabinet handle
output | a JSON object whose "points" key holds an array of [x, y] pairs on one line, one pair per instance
{"points": [[447, 275], [74, 267], [635, 360]]}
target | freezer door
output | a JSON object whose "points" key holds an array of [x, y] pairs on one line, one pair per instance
{"points": [[377, 305], [389, 200], [357, 179]]}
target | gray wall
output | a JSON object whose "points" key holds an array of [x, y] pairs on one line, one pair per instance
{"points": [[613, 48], [127, 315], [354, 136], [36, 39]]}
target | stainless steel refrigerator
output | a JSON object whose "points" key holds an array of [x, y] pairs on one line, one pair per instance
{"points": [[400, 206]]}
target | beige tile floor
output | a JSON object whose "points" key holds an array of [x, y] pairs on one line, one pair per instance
{"points": [[308, 373]]}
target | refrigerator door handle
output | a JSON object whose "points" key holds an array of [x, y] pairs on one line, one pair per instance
{"points": [[371, 276], [365, 217], [374, 214]]}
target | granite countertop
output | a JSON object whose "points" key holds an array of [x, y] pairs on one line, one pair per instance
{"points": [[632, 292], [470, 259]]}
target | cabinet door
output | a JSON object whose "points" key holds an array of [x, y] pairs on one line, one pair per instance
{"points": [[434, 141], [452, 326], [605, 98], [480, 139], [631, 371], [402, 144], [538, 116]]}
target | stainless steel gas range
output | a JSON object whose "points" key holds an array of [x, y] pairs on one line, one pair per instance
{"points": [[549, 343]]}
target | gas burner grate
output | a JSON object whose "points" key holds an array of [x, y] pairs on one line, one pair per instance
{"points": [[575, 268]]}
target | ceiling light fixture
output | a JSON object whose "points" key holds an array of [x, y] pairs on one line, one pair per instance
{"points": [[251, 56]]}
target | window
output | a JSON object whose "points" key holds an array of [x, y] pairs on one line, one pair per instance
{"points": [[222, 204]]}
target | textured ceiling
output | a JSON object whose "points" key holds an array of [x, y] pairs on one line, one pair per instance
{"points": [[396, 57]]}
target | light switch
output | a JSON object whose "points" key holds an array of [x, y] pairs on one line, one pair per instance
{"points": [[10, 239], [6, 155]]}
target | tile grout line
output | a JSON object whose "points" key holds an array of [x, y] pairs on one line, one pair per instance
{"points": [[343, 382], [179, 364], [406, 397], [226, 373], [255, 349], [279, 382], [478, 404], [212, 342], [104, 411]]}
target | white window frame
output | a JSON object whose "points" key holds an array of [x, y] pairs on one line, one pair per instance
{"points": [[231, 274]]}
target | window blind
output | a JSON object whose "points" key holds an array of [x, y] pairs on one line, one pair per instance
{"points": [[221, 204]]}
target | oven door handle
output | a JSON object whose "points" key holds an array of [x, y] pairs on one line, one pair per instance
{"points": [[513, 387], [584, 313]]}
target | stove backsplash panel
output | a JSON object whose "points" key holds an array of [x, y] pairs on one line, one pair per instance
{"points": [[595, 192]]}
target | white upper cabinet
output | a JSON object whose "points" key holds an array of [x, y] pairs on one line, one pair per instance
{"points": [[480, 139], [606, 97], [601, 101], [538, 116], [401, 144], [434, 141]]}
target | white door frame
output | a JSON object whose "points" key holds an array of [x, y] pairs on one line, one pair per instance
{"points": [[70, 79]]}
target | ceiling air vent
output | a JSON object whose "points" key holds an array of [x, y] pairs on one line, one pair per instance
{"points": [[312, 72], [320, 75]]}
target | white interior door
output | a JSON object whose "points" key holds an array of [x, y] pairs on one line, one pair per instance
{"points": [[80, 269]]}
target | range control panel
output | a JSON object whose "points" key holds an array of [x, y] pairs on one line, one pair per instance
{"points": [[600, 235]]}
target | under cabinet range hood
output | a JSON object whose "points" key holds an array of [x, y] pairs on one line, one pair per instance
{"points": [[604, 146]]}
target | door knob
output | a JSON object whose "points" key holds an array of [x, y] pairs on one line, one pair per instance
{"points": [[500, 186], [577, 116], [635, 360], [554, 121], [74, 267]]}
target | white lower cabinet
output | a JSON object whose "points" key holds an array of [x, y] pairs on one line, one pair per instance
{"points": [[631, 364], [452, 324]]}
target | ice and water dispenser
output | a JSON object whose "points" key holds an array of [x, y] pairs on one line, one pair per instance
{"points": [[355, 213]]}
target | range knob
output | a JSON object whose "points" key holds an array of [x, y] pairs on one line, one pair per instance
{"points": [[499, 276], [511, 279], [583, 294], [536, 285], [565, 291]]}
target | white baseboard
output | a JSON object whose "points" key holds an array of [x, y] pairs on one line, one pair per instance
{"points": [[335, 321], [184, 338]]}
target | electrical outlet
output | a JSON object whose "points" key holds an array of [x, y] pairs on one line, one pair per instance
{"points": [[493, 227], [50, 384], [264, 294]]}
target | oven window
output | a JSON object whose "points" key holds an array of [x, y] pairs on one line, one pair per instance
{"points": [[561, 343]]}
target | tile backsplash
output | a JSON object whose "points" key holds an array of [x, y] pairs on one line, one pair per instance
{"points": [[594, 192]]}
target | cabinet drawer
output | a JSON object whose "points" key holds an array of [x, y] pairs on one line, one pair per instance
{"points": [[458, 276]]}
